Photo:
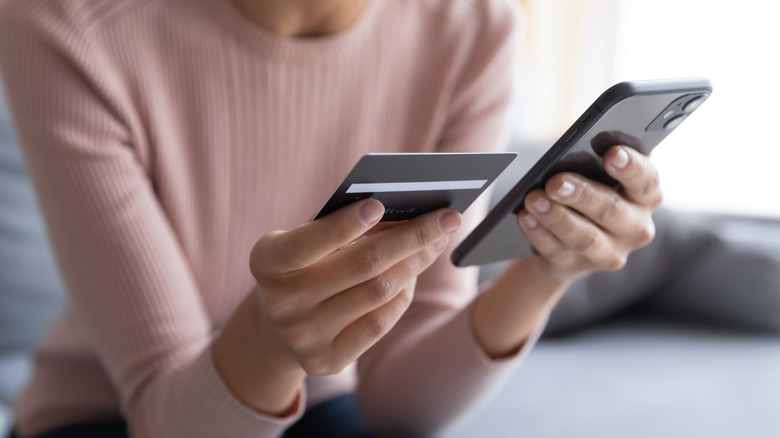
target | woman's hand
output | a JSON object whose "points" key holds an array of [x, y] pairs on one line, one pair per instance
{"points": [[328, 291], [578, 226]]}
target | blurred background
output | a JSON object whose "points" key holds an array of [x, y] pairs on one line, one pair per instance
{"points": [[632, 377], [725, 157], [679, 357]]}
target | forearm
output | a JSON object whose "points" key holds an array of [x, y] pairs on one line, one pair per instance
{"points": [[423, 381], [250, 362], [507, 312]]}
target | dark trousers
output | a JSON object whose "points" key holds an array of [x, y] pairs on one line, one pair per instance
{"points": [[336, 418]]}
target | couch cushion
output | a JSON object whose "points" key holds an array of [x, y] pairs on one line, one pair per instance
{"points": [[640, 376], [714, 266]]}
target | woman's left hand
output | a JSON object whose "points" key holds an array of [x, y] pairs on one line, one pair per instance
{"points": [[578, 225]]}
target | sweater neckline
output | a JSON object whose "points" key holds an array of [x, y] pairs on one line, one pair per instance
{"points": [[260, 39]]}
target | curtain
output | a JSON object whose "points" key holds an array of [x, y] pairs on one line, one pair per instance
{"points": [[567, 59]]}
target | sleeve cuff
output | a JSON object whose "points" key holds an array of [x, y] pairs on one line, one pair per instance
{"points": [[223, 414]]}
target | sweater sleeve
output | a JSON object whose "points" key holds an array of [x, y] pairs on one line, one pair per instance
{"points": [[127, 278], [430, 369]]}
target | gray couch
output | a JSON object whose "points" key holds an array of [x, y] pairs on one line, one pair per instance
{"points": [[645, 374], [30, 288], [640, 376], [683, 342]]}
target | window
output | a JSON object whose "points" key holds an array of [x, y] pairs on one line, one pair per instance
{"points": [[726, 156]]}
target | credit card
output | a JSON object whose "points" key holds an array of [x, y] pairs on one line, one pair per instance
{"points": [[411, 184]]}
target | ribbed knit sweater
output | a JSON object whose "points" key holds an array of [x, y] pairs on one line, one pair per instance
{"points": [[165, 137]]}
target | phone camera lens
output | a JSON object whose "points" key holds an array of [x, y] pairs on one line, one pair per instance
{"points": [[694, 103], [675, 122]]}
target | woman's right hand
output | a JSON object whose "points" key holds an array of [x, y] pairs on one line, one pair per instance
{"points": [[327, 291]]}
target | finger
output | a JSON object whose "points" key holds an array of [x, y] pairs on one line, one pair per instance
{"points": [[324, 351], [378, 228], [382, 226], [602, 205], [544, 242], [375, 254], [575, 232], [344, 308], [636, 173], [286, 251], [359, 336]]}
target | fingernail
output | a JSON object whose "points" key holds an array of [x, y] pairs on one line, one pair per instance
{"points": [[371, 212], [449, 222], [621, 159], [542, 205], [566, 189], [441, 244], [530, 221]]}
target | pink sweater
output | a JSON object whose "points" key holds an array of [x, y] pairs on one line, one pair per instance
{"points": [[165, 137]]}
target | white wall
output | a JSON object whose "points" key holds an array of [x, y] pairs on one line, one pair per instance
{"points": [[726, 157]]}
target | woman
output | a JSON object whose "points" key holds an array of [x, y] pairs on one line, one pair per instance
{"points": [[168, 140]]}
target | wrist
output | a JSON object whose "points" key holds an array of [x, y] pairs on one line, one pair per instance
{"points": [[508, 311], [552, 273], [254, 364]]}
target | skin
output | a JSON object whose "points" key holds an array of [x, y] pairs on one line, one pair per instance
{"points": [[330, 289], [303, 18]]}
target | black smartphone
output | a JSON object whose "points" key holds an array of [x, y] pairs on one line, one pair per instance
{"points": [[639, 114]]}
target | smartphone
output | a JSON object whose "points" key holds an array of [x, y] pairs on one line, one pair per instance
{"points": [[639, 114]]}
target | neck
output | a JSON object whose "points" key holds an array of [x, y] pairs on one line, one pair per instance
{"points": [[303, 18]]}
